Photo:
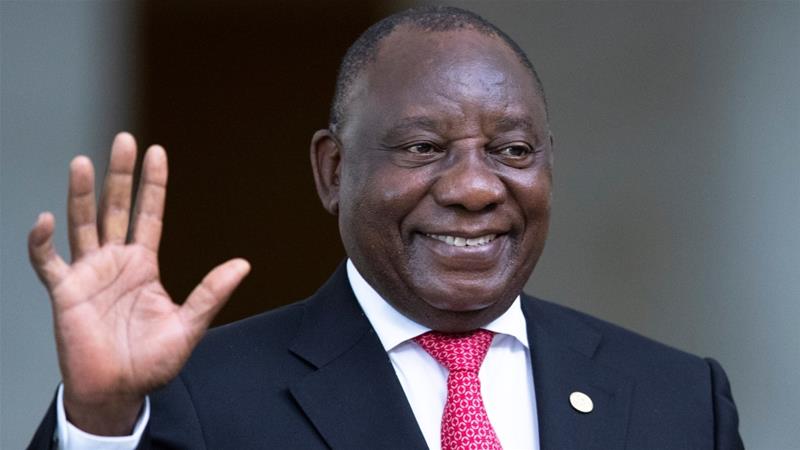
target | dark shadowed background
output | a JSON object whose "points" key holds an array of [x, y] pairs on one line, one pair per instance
{"points": [[234, 92], [676, 206]]}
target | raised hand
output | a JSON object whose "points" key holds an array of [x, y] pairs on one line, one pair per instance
{"points": [[118, 333]]}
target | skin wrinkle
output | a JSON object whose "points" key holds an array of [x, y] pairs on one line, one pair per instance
{"points": [[205, 291], [151, 200], [84, 217], [108, 286], [116, 201], [113, 312], [129, 324], [48, 262], [475, 79]]}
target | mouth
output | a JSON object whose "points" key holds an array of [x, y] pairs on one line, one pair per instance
{"points": [[465, 252], [458, 241]]}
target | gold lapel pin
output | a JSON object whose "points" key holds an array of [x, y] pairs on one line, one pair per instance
{"points": [[581, 402]]}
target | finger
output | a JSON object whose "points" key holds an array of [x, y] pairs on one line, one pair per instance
{"points": [[50, 268], [115, 205], [211, 294], [150, 199], [81, 208]]}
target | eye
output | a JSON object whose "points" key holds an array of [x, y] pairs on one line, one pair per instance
{"points": [[515, 151], [421, 148], [415, 154]]}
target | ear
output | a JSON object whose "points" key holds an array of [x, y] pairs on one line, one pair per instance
{"points": [[326, 157]]}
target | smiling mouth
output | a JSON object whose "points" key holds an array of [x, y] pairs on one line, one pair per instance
{"points": [[457, 241]]}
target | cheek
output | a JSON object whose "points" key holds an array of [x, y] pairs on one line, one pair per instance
{"points": [[533, 195], [377, 197], [538, 201], [381, 187]]}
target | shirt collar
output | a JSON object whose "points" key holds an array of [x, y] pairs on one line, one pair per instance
{"points": [[393, 328]]}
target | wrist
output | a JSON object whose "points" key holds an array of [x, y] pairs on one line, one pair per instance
{"points": [[109, 415]]}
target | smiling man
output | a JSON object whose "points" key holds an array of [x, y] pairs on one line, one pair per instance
{"points": [[437, 163], [440, 174]]}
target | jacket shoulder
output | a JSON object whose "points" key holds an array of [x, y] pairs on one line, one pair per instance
{"points": [[262, 336], [638, 355]]}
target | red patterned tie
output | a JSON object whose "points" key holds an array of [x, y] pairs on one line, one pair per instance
{"points": [[465, 424]]}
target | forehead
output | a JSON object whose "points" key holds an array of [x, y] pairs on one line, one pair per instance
{"points": [[455, 74]]}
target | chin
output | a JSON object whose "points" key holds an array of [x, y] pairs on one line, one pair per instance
{"points": [[453, 307], [453, 321], [480, 290], [463, 299], [460, 305]]}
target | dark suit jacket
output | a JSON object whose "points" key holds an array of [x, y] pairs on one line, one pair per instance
{"points": [[314, 375]]}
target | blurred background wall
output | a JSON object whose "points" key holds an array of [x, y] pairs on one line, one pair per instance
{"points": [[66, 85], [676, 196]]}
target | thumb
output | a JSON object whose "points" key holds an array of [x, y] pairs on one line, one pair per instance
{"points": [[212, 293]]}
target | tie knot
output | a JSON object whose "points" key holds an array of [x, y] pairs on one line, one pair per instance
{"points": [[457, 351]]}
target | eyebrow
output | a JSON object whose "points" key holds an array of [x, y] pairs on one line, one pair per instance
{"points": [[424, 123], [409, 124], [510, 123]]}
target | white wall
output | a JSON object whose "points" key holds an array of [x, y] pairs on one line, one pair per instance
{"points": [[677, 193], [64, 89]]}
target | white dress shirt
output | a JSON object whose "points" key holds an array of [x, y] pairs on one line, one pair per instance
{"points": [[506, 375], [506, 379], [70, 437]]}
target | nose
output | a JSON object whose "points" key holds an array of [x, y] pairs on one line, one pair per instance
{"points": [[470, 182]]}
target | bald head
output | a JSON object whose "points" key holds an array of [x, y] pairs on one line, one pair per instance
{"points": [[365, 49]]}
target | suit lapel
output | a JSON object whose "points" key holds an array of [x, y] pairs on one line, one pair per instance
{"points": [[353, 397], [562, 351]]}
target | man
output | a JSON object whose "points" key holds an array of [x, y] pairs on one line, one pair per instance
{"points": [[437, 163]]}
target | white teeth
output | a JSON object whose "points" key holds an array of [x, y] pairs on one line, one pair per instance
{"points": [[476, 241], [463, 242]]}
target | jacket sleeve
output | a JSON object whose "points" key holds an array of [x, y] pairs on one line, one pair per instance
{"points": [[174, 423], [65, 435], [726, 419], [43, 438]]}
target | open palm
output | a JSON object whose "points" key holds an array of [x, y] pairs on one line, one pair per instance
{"points": [[119, 335]]}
